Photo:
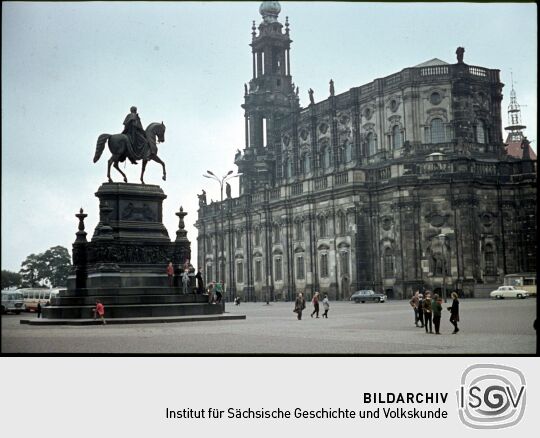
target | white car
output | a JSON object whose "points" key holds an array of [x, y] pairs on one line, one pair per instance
{"points": [[508, 292]]}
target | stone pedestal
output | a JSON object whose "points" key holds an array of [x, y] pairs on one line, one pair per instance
{"points": [[124, 265]]}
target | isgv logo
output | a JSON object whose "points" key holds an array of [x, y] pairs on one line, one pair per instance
{"points": [[491, 396]]}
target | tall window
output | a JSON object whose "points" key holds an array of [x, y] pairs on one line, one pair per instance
{"points": [[348, 152], [276, 234], [240, 272], [324, 265], [287, 168], [299, 230], [397, 140], [306, 164], [437, 131], [322, 226], [257, 236], [258, 270], [342, 221], [388, 263], [209, 273], [326, 157], [300, 268], [239, 239], [208, 244], [481, 134], [371, 146], [278, 276], [344, 262], [489, 259]]}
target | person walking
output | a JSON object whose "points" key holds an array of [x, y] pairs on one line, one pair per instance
{"points": [[299, 305], [315, 302], [326, 306], [454, 312], [100, 311], [436, 309], [211, 292], [427, 313], [219, 291], [38, 309], [170, 274], [421, 309], [414, 304]]}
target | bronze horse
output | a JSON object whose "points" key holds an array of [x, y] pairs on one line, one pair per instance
{"points": [[120, 147]]}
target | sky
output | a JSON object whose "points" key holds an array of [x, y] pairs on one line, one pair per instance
{"points": [[71, 71]]}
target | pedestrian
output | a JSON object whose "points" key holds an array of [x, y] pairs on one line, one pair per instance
{"points": [[315, 302], [219, 291], [414, 304], [326, 306], [436, 309], [185, 281], [427, 313], [454, 312], [200, 281], [299, 305], [100, 311], [421, 309], [38, 309], [210, 291], [170, 273]]}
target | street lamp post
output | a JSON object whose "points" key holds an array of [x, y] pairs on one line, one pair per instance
{"points": [[221, 181], [442, 239]]}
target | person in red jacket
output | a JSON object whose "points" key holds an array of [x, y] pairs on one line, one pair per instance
{"points": [[100, 311]]}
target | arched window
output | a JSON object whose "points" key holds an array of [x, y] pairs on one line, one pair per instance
{"points": [[397, 140], [277, 233], [324, 265], [437, 131], [257, 236], [371, 147], [342, 221], [306, 164], [287, 168], [489, 260], [299, 230], [388, 263], [344, 262], [481, 133]]}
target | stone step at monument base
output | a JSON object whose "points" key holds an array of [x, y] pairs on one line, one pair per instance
{"points": [[145, 320], [133, 310], [108, 300], [144, 290]]}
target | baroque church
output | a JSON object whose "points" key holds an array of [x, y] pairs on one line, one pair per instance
{"points": [[400, 184]]}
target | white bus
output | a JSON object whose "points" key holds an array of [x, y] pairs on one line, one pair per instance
{"points": [[12, 301], [525, 281], [32, 296]]}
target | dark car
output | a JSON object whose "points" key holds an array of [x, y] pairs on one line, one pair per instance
{"points": [[362, 296]]}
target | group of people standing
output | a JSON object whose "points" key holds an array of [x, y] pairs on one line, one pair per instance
{"points": [[428, 311], [300, 305], [188, 272]]}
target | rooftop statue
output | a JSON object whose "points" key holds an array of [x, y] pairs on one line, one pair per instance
{"points": [[134, 143], [459, 52]]}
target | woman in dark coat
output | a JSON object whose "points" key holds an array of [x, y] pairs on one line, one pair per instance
{"points": [[454, 312], [299, 305]]}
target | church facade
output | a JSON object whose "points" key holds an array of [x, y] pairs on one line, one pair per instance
{"points": [[400, 184]]}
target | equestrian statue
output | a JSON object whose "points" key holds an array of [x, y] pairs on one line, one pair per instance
{"points": [[134, 143]]}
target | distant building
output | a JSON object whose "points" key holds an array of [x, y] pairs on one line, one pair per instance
{"points": [[398, 184]]}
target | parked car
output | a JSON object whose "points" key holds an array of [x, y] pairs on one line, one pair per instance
{"points": [[362, 296], [508, 292]]}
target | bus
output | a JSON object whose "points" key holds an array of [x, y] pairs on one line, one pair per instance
{"points": [[32, 296], [525, 281], [12, 301]]}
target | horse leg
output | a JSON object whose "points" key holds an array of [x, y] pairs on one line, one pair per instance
{"points": [[143, 169], [109, 163], [118, 168], [158, 160]]}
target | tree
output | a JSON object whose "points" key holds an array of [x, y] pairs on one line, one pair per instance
{"points": [[10, 279], [49, 268]]}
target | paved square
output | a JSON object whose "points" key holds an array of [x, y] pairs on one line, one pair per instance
{"points": [[487, 327]]}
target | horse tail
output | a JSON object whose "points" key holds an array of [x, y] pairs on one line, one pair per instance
{"points": [[100, 146]]}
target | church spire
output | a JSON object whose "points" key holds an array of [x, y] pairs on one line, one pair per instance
{"points": [[514, 117]]}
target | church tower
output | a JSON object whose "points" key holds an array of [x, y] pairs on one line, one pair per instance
{"points": [[269, 97]]}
